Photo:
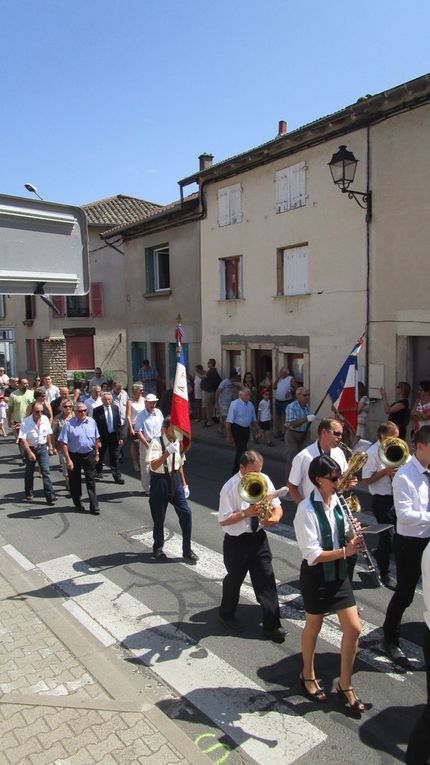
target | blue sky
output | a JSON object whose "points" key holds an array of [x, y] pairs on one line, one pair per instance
{"points": [[102, 97]]}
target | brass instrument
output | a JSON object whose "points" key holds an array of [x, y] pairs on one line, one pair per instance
{"points": [[253, 489], [393, 452], [355, 463]]}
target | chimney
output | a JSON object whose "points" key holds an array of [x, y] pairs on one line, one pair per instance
{"points": [[282, 128], [205, 160]]}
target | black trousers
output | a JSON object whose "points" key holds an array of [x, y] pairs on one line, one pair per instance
{"points": [[87, 463], [165, 489], [109, 443], [418, 752], [240, 437], [250, 552], [408, 552], [383, 510]]}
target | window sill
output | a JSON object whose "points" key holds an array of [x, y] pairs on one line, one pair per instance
{"points": [[296, 295], [231, 300], [158, 294]]}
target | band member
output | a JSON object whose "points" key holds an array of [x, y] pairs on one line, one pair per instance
{"points": [[168, 485], [246, 549], [322, 536], [378, 478], [418, 752], [330, 433], [411, 491]]}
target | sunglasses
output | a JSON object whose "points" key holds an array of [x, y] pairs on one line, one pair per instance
{"points": [[336, 433], [332, 478], [69, 406], [81, 411]]}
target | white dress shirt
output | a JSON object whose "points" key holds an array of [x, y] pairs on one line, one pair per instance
{"points": [[307, 528], [34, 435], [300, 466], [411, 491], [91, 404], [51, 393], [109, 418], [425, 570], [230, 502], [121, 402], [155, 450], [374, 465], [150, 423]]}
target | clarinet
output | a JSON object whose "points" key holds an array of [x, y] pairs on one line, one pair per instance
{"points": [[363, 547]]}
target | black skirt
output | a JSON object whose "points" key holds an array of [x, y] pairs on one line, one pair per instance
{"points": [[321, 597]]}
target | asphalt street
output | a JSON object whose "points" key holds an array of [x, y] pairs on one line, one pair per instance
{"points": [[242, 690]]}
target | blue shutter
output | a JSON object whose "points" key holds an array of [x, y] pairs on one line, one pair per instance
{"points": [[138, 355]]}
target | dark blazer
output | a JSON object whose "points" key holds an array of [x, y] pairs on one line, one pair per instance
{"points": [[100, 418]]}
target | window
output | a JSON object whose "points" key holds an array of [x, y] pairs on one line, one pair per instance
{"points": [[230, 277], [157, 268], [230, 205], [2, 307], [80, 352], [293, 271], [78, 306], [30, 307], [290, 186], [30, 346]]}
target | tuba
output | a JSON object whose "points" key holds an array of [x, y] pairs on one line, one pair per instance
{"points": [[253, 489], [393, 452]]}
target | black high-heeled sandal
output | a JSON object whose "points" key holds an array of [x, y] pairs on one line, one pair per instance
{"points": [[357, 706], [319, 695]]}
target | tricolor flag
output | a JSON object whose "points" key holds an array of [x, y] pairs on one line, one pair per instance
{"points": [[180, 414], [344, 389]]}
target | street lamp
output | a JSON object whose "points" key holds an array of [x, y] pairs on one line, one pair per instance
{"points": [[342, 166], [33, 190]]}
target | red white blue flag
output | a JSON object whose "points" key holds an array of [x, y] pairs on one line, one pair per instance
{"points": [[344, 389], [180, 413]]}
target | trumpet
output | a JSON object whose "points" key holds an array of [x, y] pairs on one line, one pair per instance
{"points": [[253, 489], [393, 452]]}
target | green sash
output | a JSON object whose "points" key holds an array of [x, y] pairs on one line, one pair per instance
{"points": [[331, 570]]}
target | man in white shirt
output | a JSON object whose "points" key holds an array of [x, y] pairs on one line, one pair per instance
{"points": [[94, 400], [418, 752], [35, 436], [246, 549], [98, 379], [50, 389], [148, 426], [108, 424], [4, 379], [378, 478], [168, 484], [283, 387], [411, 491], [330, 434]]}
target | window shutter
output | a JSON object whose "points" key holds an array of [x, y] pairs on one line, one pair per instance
{"points": [[281, 191], [149, 264], [138, 355], [2, 307], [223, 207], [80, 352], [297, 185], [222, 279], [296, 279], [60, 304], [236, 203], [97, 300], [31, 355]]}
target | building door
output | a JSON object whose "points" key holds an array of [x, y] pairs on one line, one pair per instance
{"points": [[261, 364], [295, 363], [138, 355], [159, 362], [420, 362]]}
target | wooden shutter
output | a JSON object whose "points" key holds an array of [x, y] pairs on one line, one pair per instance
{"points": [[223, 207], [232, 278], [296, 279], [149, 264], [297, 185], [281, 190], [31, 355], [236, 203], [97, 300], [222, 279], [80, 352], [139, 352], [60, 303]]}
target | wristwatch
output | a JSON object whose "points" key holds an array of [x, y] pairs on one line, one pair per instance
{"points": [[242, 514]]}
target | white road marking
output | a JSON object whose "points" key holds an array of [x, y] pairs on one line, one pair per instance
{"points": [[102, 636], [239, 706], [18, 557]]}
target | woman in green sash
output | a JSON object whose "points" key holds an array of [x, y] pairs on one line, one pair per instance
{"points": [[326, 541]]}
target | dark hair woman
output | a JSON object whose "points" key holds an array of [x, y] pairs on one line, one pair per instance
{"points": [[399, 411]]}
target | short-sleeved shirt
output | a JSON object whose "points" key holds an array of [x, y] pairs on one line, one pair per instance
{"points": [[35, 436], [264, 410], [307, 528], [18, 403], [296, 412], [79, 435], [149, 423], [299, 469], [225, 389], [241, 414], [51, 393], [149, 378], [91, 404], [231, 502], [283, 389], [373, 465], [156, 449]]}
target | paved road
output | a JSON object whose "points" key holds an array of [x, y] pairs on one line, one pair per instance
{"points": [[239, 693]]}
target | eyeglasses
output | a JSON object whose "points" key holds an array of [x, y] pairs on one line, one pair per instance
{"points": [[69, 406], [336, 433], [81, 411], [332, 478]]}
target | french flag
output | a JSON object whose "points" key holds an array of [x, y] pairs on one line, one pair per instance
{"points": [[180, 413], [344, 389]]}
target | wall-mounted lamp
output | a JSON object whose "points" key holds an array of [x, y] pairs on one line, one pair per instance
{"points": [[32, 189], [342, 166]]}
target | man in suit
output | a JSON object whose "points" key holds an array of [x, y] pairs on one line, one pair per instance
{"points": [[108, 422]]}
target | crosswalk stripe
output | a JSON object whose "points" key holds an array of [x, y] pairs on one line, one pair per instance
{"points": [[211, 566], [238, 705]]}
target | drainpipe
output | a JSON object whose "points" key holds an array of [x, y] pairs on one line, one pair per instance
{"points": [[368, 263]]}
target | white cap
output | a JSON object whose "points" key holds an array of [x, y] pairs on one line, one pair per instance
{"points": [[151, 397]]}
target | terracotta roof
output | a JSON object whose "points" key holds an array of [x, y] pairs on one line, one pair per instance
{"points": [[119, 210], [170, 211]]}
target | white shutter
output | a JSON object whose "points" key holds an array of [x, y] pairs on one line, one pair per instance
{"points": [[296, 278], [281, 190], [235, 203], [223, 207], [297, 185], [222, 295]]}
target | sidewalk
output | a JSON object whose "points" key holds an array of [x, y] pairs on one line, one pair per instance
{"points": [[211, 436], [65, 698]]}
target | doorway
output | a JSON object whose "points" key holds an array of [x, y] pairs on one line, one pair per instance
{"points": [[159, 357], [420, 361]]}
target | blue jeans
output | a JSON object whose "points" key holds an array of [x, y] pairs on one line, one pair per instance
{"points": [[42, 458], [165, 489]]}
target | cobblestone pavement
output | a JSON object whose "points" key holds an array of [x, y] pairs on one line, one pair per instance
{"points": [[56, 711]]}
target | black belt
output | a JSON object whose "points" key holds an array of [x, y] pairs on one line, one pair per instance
{"points": [[163, 475]]}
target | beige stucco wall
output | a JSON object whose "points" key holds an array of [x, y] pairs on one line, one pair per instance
{"points": [[152, 319]]}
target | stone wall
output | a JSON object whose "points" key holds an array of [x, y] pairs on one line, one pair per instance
{"points": [[54, 359]]}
